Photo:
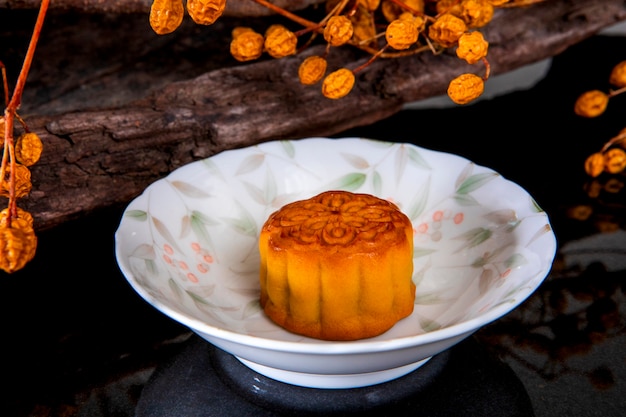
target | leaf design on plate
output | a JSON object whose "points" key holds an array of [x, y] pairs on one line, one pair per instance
{"points": [[428, 299], [515, 260], [487, 278], [147, 253], [505, 300], [253, 307], [163, 231], [419, 252], [269, 190], [418, 205], [250, 163], [401, 158], [140, 215], [489, 257], [504, 216], [377, 183], [185, 226], [144, 251], [189, 190], [209, 221], [349, 182], [199, 223], [288, 147], [463, 175], [256, 193], [244, 224], [199, 299], [213, 168], [418, 276], [429, 325], [465, 200], [206, 307], [151, 266], [247, 292], [536, 206], [204, 291], [546, 228], [475, 237], [416, 158], [356, 161], [176, 289], [146, 283], [473, 182]]}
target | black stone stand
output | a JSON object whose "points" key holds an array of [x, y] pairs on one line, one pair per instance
{"points": [[202, 380]]}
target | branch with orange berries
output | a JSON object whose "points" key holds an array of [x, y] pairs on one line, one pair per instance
{"points": [[611, 158], [18, 241], [381, 28]]}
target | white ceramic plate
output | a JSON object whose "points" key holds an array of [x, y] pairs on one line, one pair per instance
{"points": [[188, 246]]}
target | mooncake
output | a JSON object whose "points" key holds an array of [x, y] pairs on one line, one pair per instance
{"points": [[337, 266]]}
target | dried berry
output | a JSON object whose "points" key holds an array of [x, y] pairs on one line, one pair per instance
{"points": [[476, 13], [246, 45], [472, 47], [28, 148], [401, 34], [205, 12], [418, 21], [580, 212], [448, 6], [370, 5], [22, 182], [22, 220], [392, 11], [618, 75], [447, 30], [594, 165], [280, 41], [166, 15], [338, 84], [614, 160], [17, 247], [238, 30], [363, 26], [338, 30], [312, 69], [591, 103], [465, 88]]}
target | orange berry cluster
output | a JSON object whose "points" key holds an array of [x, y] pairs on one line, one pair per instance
{"points": [[612, 157], [18, 241], [167, 15], [382, 28]]}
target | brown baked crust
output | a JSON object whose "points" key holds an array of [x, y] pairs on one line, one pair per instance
{"points": [[337, 266]]}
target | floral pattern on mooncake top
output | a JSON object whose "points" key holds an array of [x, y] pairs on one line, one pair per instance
{"points": [[338, 218]]}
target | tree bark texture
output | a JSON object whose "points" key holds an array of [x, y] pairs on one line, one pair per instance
{"points": [[97, 157]]}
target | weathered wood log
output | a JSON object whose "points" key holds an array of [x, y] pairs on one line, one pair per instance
{"points": [[233, 7], [105, 157]]}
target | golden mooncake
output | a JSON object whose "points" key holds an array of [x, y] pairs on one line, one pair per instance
{"points": [[337, 266]]}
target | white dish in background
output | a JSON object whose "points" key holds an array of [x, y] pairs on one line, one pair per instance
{"points": [[188, 246]]}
